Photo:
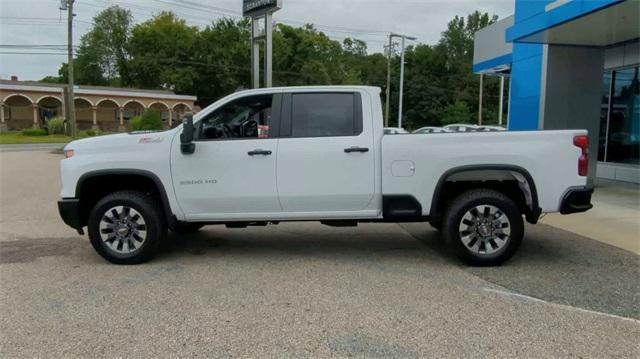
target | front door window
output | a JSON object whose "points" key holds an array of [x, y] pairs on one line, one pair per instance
{"points": [[245, 118]]}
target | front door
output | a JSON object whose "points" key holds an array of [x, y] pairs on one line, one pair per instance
{"points": [[232, 174], [325, 156]]}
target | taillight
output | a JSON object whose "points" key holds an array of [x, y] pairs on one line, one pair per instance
{"points": [[583, 162]]}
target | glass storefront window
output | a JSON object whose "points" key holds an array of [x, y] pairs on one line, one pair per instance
{"points": [[604, 115], [620, 120]]}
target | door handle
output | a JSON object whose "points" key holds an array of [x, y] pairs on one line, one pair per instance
{"points": [[259, 152], [356, 149]]}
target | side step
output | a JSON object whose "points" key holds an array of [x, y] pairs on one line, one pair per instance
{"points": [[339, 223], [247, 224]]}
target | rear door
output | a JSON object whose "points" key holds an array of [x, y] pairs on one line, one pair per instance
{"points": [[325, 160]]}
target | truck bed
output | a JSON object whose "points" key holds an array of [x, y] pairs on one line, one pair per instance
{"points": [[413, 164]]}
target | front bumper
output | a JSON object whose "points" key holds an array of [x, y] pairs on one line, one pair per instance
{"points": [[69, 209], [576, 200]]}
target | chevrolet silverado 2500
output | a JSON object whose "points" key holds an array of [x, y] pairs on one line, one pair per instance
{"points": [[317, 154]]}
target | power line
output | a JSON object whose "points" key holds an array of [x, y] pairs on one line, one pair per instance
{"points": [[34, 46], [226, 13], [32, 53]]}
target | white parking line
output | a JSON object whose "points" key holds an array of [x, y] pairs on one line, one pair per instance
{"points": [[562, 306]]}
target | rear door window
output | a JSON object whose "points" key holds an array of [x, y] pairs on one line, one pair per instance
{"points": [[325, 114]]}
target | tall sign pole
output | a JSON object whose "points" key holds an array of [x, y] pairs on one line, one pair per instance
{"points": [[401, 84], [501, 100], [403, 37], [258, 11], [71, 108], [388, 92], [480, 100], [255, 53]]}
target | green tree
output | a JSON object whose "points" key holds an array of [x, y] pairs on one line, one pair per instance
{"points": [[161, 54], [457, 112], [102, 56], [304, 56], [222, 59], [107, 43]]}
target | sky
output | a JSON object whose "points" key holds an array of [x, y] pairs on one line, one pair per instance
{"points": [[33, 33]]}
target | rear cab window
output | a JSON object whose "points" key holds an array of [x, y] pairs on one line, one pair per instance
{"points": [[322, 114]]}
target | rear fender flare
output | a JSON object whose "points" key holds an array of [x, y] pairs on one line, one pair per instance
{"points": [[532, 203]]}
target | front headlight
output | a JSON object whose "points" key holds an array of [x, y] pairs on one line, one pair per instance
{"points": [[68, 153]]}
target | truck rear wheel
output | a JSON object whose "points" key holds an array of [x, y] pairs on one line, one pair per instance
{"points": [[483, 227], [126, 227]]}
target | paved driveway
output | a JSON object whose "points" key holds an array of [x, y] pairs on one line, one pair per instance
{"points": [[300, 290]]}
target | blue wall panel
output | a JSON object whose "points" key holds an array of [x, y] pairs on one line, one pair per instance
{"points": [[526, 72], [526, 77]]}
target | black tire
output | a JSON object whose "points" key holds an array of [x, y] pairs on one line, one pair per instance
{"points": [[152, 224], [504, 245], [186, 228]]}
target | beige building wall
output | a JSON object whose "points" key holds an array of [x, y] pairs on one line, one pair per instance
{"points": [[108, 109]]}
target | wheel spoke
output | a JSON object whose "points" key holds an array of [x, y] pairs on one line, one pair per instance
{"points": [[493, 244]]}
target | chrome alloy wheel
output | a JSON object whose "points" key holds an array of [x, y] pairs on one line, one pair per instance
{"points": [[123, 229], [484, 229]]}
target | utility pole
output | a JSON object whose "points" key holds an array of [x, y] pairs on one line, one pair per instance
{"points": [[389, 54], [403, 37], [71, 108]]}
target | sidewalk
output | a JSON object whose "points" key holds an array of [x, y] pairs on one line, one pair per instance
{"points": [[31, 147], [614, 219]]}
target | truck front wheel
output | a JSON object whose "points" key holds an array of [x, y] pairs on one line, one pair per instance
{"points": [[126, 227], [483, 227]]}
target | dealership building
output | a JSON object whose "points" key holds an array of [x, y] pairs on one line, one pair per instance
{"points": [[572, 64]]}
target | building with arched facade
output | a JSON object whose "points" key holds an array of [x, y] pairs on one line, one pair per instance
{"points": [[27, 104]]}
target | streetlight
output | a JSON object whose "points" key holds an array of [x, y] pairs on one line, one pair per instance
{"points": [[403, 37]]}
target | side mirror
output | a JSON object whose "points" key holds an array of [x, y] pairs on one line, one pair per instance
{"points": [[186, 137]]}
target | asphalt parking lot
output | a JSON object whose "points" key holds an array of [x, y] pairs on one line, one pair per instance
{"points": [[301, 290]]}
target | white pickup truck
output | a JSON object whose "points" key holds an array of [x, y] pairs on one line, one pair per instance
{"points": [[317, 154]]}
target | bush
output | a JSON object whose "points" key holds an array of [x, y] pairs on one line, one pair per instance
{"points": [[91, 133], [457, 112], [149, 121], [34, 132], [55, 126]]}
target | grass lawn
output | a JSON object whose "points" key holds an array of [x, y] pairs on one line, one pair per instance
{"points": [[17, 138]]}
